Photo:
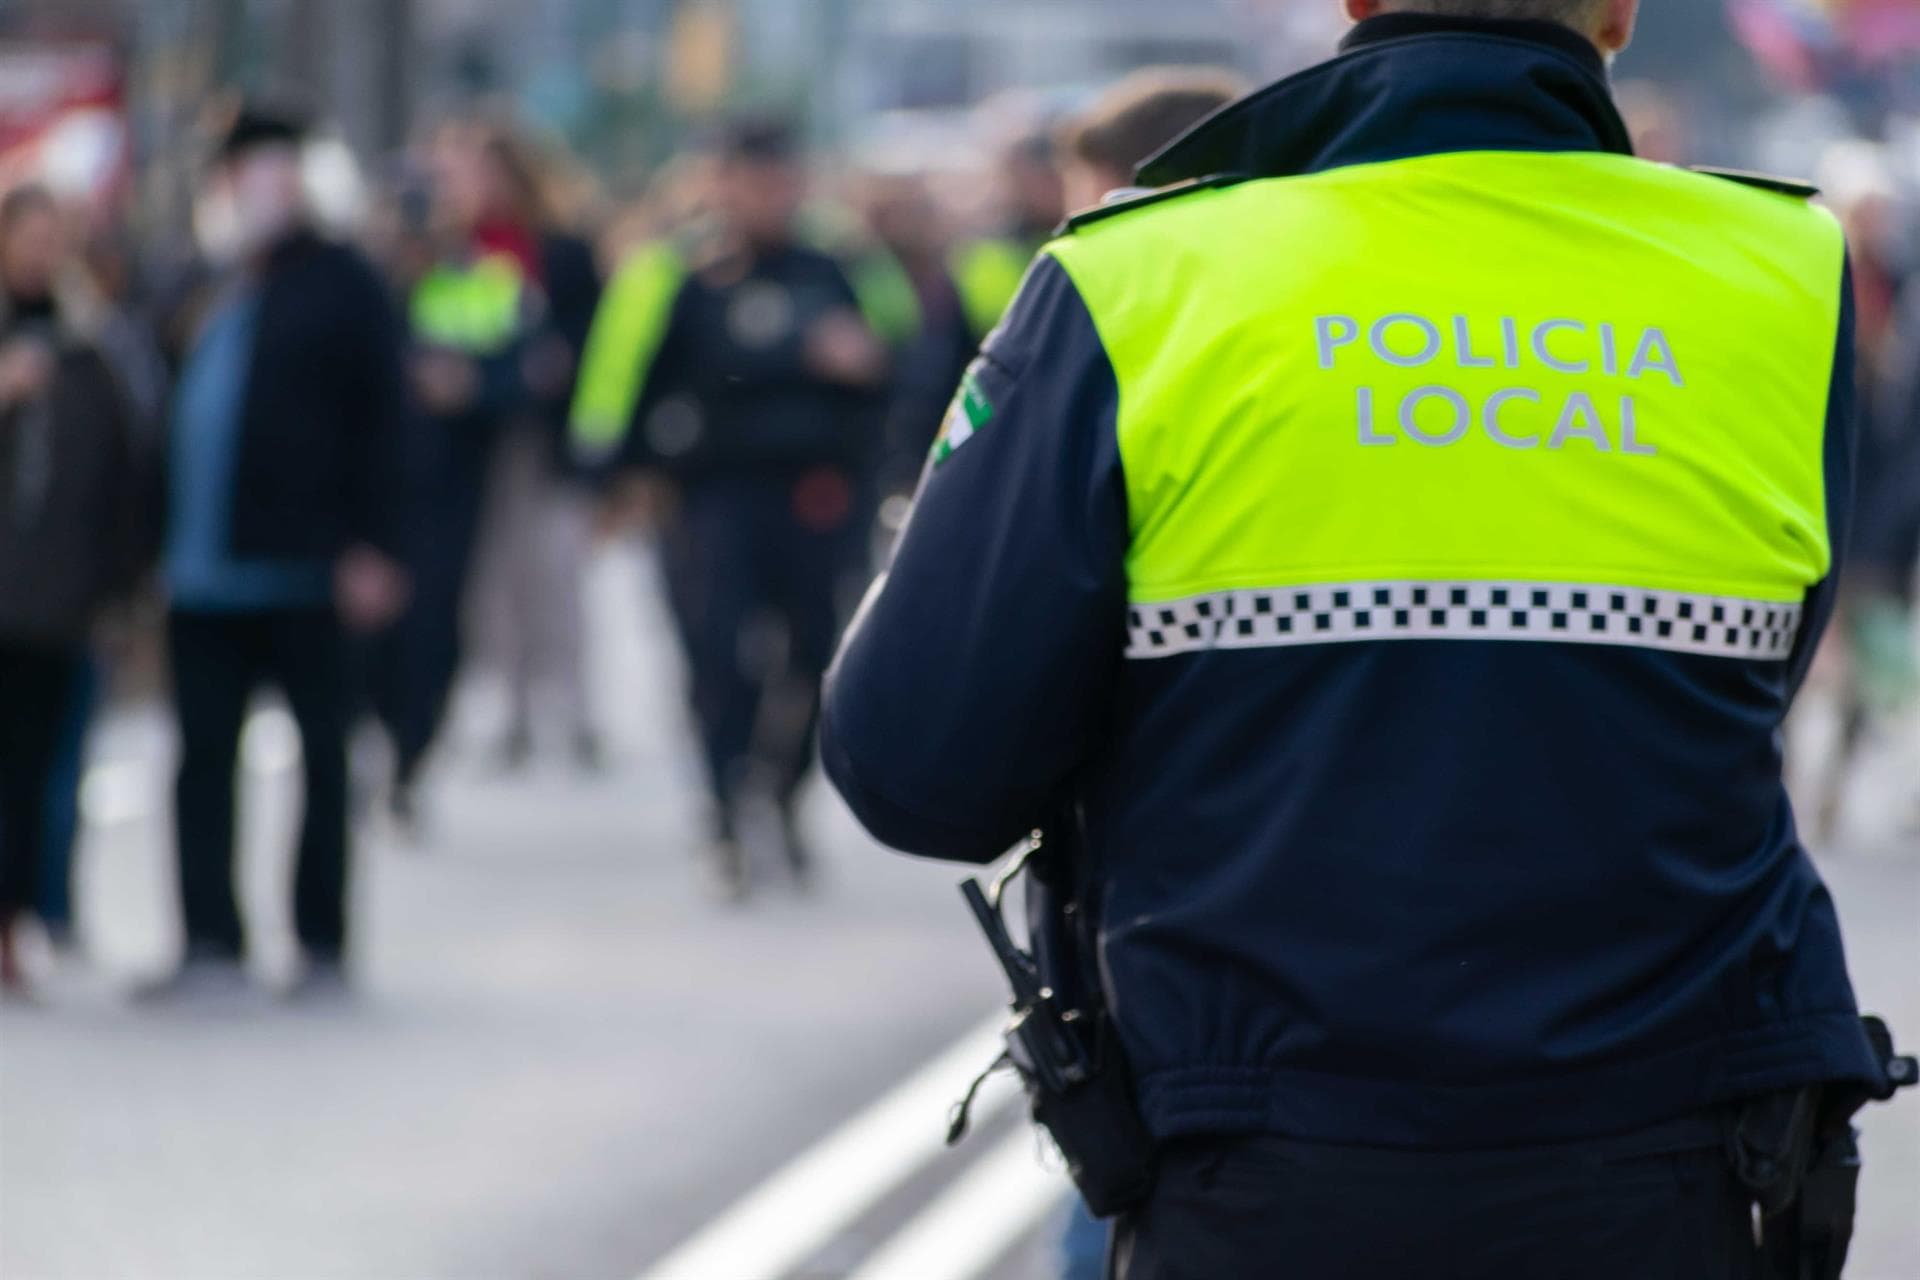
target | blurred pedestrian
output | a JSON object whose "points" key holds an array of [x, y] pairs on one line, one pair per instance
{"points": [[1881, 609], [281, 533], [69, 530], [101, 286], [989, 268], [469, 315], [539, 523], [1869, 663], [1883, 622], [1100, 147], [907, 222], [759, 407]]}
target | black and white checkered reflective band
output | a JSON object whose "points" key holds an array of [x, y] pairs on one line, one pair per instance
{"points": [[1552, 612]]}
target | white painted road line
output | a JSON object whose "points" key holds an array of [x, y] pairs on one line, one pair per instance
{"points": [[800, 1209], [981, 1218]]}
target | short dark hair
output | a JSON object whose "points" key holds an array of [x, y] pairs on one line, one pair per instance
{"points": [[1572, 13], [259, 124], [1146, 111]]}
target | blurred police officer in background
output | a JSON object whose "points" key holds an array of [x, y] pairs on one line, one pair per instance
{"points": [[281, 534], [1397, 546], [760, 406]]}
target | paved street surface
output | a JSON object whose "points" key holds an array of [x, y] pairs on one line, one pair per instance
{"points": [[567, 1060]]}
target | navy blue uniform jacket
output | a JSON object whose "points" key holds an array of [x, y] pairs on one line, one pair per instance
{"points": [[1427, 894]]}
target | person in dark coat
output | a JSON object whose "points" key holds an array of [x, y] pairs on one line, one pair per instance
{"points": [[69, 529], [468, 320], [280, 533], [101, 284]]}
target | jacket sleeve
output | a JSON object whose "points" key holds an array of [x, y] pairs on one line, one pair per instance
{"points": [[374, 398], [573, 288], [1840, 456], [623, 341], [134, 540], [976, 679], [665, 373]]}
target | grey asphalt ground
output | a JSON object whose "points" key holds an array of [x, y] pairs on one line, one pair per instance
{"points": [[564, 1057]]}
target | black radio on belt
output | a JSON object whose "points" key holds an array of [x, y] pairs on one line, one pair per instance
{"points": [[1070, 1062]]}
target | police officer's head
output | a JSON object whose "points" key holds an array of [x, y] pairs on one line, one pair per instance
{"points": [[1608, 23], [759, 182]]}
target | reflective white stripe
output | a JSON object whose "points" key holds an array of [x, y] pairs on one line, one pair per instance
{"points": [[1553, 612]]}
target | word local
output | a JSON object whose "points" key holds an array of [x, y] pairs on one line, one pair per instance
{"points": [[1513, 417]]}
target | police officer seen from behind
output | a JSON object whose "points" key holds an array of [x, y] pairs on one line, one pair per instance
{"points": [[1397, 550], [760, 407]]}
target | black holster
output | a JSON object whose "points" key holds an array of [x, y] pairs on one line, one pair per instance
{"points": [[1798, 1154], [1096, 1123], [1094, 1120], [1062, 1040]]}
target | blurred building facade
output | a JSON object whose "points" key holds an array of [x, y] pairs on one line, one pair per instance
{"points": [[627, 81]]}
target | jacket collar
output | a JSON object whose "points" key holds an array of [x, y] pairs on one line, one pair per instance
{"points": [[1408, 85], [296, 243]]}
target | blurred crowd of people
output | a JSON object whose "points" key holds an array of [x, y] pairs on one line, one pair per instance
{"points": [[343, 467]]}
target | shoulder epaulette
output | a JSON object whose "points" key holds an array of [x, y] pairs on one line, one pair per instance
{"points": [[1764, 181], [1158, 195]]}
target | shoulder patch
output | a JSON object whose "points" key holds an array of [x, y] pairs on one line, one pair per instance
{"points": [[966, 416], [1764, 181], [1144, 199]]}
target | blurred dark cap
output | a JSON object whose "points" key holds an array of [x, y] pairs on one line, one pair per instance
{"points": [[256, 125], [759, 139]]}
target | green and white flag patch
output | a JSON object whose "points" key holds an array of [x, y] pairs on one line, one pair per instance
{"points": [[970, 412]]}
